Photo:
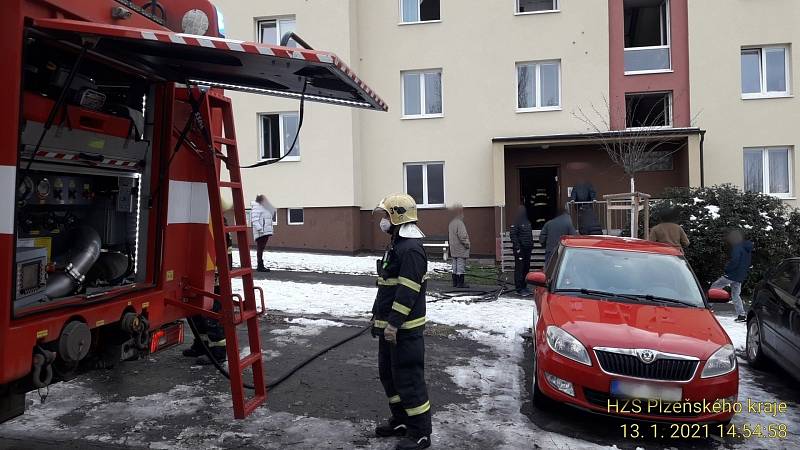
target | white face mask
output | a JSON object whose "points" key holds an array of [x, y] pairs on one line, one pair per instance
{"points": [[385, 225]]}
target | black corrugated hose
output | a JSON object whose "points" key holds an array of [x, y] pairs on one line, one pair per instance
{"points": [[283, 377]]}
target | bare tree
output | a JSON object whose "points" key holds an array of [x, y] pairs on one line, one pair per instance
{"points": [[640, 146]]}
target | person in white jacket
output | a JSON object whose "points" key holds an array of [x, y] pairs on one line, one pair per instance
{"points": [[261, 214]]}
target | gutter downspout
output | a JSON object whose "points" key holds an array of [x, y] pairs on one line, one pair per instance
{"points": [[702, 159]]}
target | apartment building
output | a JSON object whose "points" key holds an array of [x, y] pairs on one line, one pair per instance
{"points": [[489, 101]]}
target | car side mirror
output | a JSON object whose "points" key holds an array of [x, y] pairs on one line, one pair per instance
{"points": [[719, 296], [537, 278]]}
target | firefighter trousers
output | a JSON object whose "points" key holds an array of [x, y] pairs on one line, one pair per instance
{"points": [[402, 372]]}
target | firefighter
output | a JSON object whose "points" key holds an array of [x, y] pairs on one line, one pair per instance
{"points": [[399, 322], [211, 332]]}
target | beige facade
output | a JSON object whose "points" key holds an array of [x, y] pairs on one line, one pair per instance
{"points": [[353, 158], [718, 30], [349, 159]]}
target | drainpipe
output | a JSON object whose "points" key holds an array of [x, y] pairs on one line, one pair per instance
{"points": [[702, 157]]}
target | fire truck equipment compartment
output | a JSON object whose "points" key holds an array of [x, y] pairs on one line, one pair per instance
{"points": [[225, 63]]}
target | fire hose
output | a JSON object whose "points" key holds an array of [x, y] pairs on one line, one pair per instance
{"points": [[283, 377]]}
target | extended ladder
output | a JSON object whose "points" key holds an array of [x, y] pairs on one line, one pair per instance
{"points": [[236, 310]]}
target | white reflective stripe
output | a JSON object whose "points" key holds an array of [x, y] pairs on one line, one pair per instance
{"points": [[149, 35], [265, 50], [176, 39], [205, 43], [235, 46], [8, 188], [188, 202]]}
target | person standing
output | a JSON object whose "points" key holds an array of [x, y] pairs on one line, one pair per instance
{"points": [[736, 270], [552, 232], [399, 322], [458, 239], [261, 217], [585, 197], [522, 242], [669, 232]]}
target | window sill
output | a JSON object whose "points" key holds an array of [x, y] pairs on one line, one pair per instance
{"points": [[535, 110], [534, 13], [765, 96], [291, 223], [422, 116], [287, 159], [420, 22], [654, 128], [431, 206], [648, 72]]}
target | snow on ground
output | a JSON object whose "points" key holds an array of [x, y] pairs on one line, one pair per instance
{"points": [[737, 331], [324, 263]]}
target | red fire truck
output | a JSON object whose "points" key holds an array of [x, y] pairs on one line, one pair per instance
{"points": [[119, 143]]}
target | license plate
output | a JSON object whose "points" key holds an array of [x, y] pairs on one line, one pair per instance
{"points": [[648, 391]]}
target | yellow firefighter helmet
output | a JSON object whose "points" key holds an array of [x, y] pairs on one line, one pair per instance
{"points": [[401, 208]]}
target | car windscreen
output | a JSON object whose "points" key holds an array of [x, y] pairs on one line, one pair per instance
{"points": [[627, 273]]}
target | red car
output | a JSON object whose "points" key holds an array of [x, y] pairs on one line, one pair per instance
{"points": [[623, 328]]}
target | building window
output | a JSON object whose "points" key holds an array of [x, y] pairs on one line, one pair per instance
{"points": [[277, 132], [415, 11], [422, 94], [539, 86], [536, 6], [425, 182], [295, 216], [652, 109], [768, 170], [270, 31], [647, 36], [765, 72]]}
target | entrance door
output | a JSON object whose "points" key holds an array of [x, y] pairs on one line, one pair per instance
{"points": [[539, 191]]}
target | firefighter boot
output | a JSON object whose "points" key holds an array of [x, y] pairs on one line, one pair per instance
{"points": [[218, 352], [196, 349], [455, 280], [413, 443], [461, 282], [391, 428]]}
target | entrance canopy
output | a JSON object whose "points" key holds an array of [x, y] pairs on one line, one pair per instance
{"points": [[224, 63]]}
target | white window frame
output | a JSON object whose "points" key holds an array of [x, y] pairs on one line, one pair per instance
{"points": [[423, 93], [762, 69], [670, 111], [556, 4], [765, 169], [277, 20], [664, 22], [261, 156], [419, 13], [289, 216], [425, 164], [538, 86]]}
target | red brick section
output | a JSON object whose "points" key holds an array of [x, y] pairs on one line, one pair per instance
{"points": [[676, 81]]}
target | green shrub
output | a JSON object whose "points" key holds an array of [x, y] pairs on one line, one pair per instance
{"points": [[707, 214]]}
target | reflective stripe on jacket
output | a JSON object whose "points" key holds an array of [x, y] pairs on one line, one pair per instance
{"points": [[401, 287]]}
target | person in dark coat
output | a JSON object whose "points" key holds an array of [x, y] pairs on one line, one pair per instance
{"points": [[584, 195], [561, 225], [399, 324], [736, 270], [522, 242]]}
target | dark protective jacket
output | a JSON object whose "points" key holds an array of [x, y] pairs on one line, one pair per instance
{"points": [[739, 265], [584, 192], [553, 230], [401, 287], [522, 234]]}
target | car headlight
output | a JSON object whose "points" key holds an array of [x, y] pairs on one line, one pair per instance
{"points": [[567, 345], [721, 362]]}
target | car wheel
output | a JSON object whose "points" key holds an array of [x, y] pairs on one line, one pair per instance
{"points": [[755, 354]]}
